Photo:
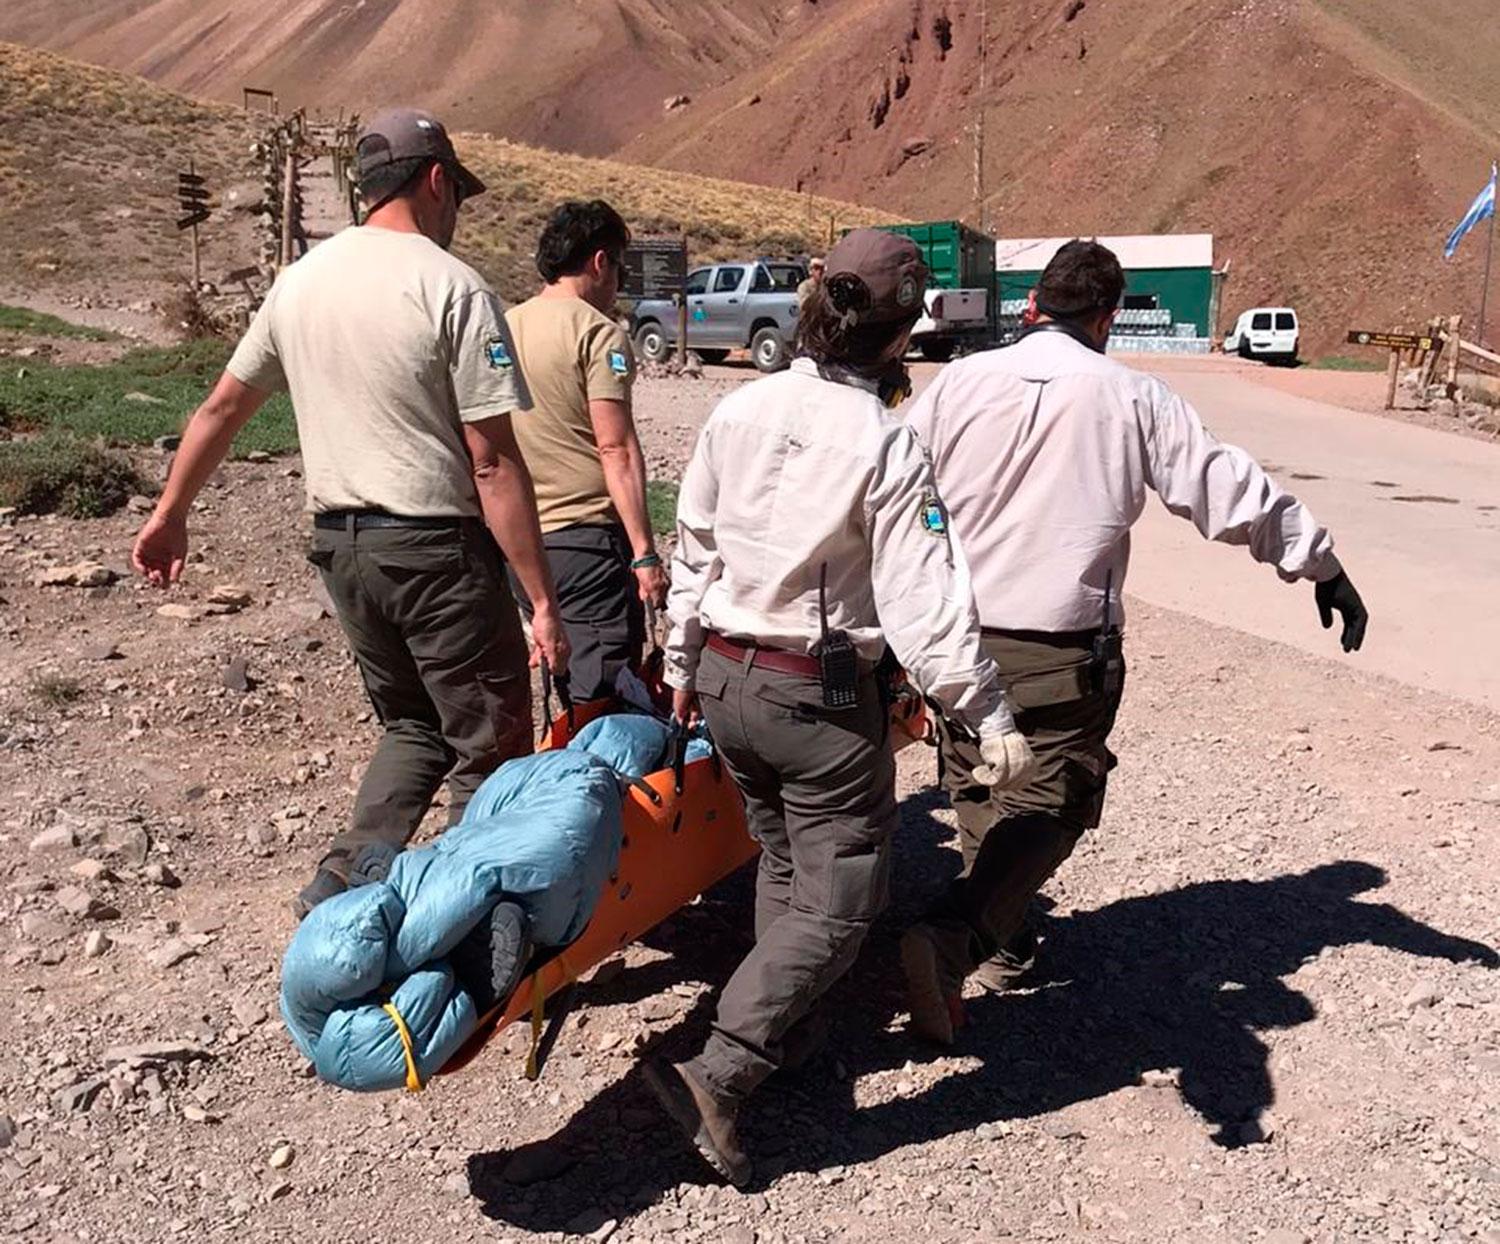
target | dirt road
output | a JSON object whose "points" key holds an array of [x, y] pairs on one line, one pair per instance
{"points": [[1265, 1011]]}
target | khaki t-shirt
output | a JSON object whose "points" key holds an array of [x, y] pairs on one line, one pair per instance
{"points": [[571, 354], [388, 345]]}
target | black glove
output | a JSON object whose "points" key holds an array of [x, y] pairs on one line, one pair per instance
{"points": [[1338, 593]]}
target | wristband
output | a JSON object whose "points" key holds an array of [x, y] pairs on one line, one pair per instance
{"points": [[648, 562]]}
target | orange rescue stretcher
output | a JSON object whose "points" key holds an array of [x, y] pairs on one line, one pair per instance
{"points": [[684, 831]]}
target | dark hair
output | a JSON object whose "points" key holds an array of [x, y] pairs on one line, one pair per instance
{"points": [[1083, 279], [822, 336], [576, 232], [393, 180]]}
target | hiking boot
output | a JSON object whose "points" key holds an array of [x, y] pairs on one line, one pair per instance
{"points": [[324, 885], [492, 957], [707, 1122], [1009, 967], [372, 864], [935, 1010]]}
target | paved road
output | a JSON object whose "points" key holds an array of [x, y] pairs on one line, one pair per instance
{"points": [[1416, 515]]}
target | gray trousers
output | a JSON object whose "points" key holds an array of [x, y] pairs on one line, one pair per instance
{"points": [[820, 797], [1013, 841], [438, 642], [602, 613]]}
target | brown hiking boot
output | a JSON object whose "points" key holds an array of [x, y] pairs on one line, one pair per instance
{"points": [[1010, 967], [934, 1012], [707, 1122]]}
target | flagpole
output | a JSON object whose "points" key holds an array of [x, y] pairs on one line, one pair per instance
{"points": [[1484, 294]]}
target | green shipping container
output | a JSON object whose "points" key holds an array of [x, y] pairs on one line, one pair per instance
{"points": [[957, 256]]}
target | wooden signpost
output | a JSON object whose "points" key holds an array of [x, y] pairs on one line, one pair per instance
{"points": [[192, 199], [1395, 342]]}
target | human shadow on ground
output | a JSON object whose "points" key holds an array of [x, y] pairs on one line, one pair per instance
{"points": [[1185, 979]]}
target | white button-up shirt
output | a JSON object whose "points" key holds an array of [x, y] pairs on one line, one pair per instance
{"points": [[793, 473], [1044, 450]]}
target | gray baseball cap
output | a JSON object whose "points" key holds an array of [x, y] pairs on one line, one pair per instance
{"points": [[879, 275], [393, 145]]}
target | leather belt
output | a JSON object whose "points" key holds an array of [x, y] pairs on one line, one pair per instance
{"points": [[340, 520], [766, 658]]}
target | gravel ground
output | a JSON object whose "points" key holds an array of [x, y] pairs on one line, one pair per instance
{"points": [[1264, 1010]]}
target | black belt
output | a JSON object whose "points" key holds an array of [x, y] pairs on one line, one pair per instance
{"points": [[342, 520], [1052, 639]]}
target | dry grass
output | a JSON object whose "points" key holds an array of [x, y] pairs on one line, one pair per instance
{"points": [[88, 167], [88, 163], [720, 219]]}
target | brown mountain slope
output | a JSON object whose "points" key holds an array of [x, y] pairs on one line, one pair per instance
{"points": [[88, 163], [581, 74], [1329, 153]]}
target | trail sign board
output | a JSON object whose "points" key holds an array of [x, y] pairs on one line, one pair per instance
{"points": [[196, 218], [657, 268], [1390, 341]]}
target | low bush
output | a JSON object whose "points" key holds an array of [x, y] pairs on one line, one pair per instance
{"points": [[62, 474]]}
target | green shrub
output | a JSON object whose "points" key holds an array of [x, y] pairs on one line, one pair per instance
{"points": [[661, 503], [59, 473], [1343, 362], [56, 690]]}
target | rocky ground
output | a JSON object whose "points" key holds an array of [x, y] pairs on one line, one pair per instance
{"points": [[1266, 1010]]}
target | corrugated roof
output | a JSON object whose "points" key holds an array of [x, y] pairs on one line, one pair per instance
{"points": [[1160, 250]]}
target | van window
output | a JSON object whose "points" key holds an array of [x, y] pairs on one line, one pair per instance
{"points": [[1285, 321], [697, 282], [1261, 321], [727, 280]]}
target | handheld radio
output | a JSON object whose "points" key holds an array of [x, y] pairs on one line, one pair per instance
{"points": [[838, 662]]}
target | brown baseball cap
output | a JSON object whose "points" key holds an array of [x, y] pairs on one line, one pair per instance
{"points": [[392, 146], [889, 267]]}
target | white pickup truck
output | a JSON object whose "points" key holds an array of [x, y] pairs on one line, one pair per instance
{"points": [[953, 318], [731, 306]]}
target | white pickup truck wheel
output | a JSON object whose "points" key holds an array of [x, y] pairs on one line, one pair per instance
{"points": [[651, 343]]}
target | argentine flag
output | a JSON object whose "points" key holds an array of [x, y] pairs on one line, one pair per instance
{"points": [[1481, 209]]}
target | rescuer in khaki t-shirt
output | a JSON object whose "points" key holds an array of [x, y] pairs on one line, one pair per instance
{"points": [[580, 445], [404, 380]]}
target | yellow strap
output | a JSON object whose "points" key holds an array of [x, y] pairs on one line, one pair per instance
{"points": [[538, 1006], [413, 1078]]}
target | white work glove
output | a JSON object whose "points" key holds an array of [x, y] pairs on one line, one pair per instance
{"points": [[1008, 762]]}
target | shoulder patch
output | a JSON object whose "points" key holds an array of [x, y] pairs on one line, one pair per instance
{"points": [[618, 363], [497, 351], [932, 517]]}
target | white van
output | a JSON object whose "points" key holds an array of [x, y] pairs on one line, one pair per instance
{"points": [[1264, 333]]}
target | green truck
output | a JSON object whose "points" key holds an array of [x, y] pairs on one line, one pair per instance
{"points": [[960, 312]]}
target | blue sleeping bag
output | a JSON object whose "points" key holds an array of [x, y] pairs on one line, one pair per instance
{"points": [[634, 744], [543, 831]]}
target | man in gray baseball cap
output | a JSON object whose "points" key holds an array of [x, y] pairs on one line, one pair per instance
{"points": [[404, 379], [398, 143]]}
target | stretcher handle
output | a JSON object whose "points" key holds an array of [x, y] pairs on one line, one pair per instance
{"points": [[679, 755], [561, 683]]}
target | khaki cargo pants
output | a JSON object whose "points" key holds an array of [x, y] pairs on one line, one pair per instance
{"points": [[432, 626], [820, 797], [1013, 841]]}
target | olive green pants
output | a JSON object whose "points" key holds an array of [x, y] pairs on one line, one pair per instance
{"points": [[1013, 841], [820, 797], [432, 626]]}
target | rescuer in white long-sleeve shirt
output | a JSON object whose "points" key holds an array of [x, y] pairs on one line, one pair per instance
{"points": [[1044, 452], [804, 485]]}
